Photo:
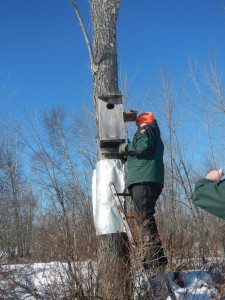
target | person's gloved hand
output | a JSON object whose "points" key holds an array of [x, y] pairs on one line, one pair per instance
{"points": [[122, 148]]}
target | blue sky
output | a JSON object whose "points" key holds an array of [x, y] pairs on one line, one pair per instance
{"points": [[44, 59]]}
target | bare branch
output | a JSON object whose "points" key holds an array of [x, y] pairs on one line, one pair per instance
{"points": [[87, 40]]}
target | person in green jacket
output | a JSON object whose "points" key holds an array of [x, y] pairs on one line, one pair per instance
{"points": [[145, 179], [209, 193]]}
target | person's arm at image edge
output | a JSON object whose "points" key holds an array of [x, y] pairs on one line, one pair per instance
{"points": [[209, 194]]}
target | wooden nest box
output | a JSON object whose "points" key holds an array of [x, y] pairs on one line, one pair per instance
{"points": [[111, 123]]}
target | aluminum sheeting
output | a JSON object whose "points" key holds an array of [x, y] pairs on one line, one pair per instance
{"points": [[106, 216]]}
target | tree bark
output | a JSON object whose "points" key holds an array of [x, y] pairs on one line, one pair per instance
{"points": [[113, 261], [113, 253]]}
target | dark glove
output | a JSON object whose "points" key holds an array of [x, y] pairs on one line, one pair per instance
{"points": [[123, 148]]}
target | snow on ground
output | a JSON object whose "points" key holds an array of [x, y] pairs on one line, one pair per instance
{"points": [[199, 285], [43, 278], [28, 281]]}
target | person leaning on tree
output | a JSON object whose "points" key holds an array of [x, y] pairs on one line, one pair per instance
{"points": [[209, 193], [145, 180]]}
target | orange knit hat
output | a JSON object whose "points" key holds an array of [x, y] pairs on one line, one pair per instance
{"points": [[147, 117]]}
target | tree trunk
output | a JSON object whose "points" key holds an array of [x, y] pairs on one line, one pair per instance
{"points": [[113, 262], [104, 19]]}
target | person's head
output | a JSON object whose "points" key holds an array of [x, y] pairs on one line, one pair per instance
{"points": [[144, 119]]}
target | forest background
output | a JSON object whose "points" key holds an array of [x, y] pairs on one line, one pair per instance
{"points": [[171, 62]]}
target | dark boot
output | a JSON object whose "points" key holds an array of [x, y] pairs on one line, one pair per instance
{"points": [[155, 256], [159, 258]]}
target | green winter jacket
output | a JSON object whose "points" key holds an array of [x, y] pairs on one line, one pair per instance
{"points": [[145, 156], [210, 196]]}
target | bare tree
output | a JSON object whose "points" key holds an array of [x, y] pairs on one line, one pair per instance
{"points": [[208, 81], [103, 60], [64, 230], [18, 201]]}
